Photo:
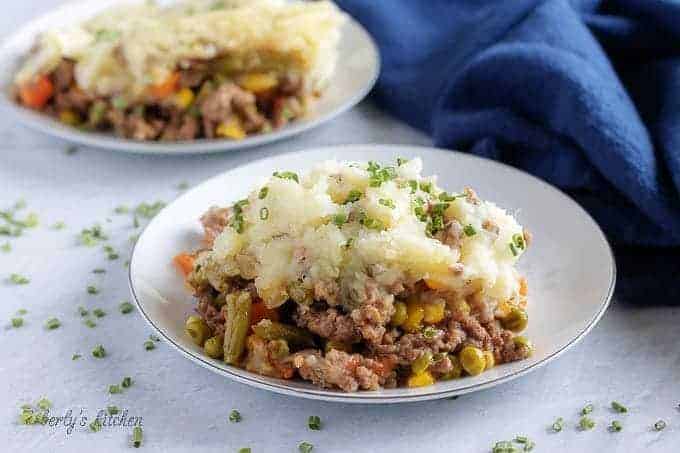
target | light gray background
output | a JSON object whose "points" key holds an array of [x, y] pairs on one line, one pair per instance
{"points": [[632, 356]]}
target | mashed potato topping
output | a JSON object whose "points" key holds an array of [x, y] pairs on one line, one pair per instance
{"points": [[128, 48], [344, 222]]}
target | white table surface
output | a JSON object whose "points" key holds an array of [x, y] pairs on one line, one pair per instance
{"points": [[632, 356]]}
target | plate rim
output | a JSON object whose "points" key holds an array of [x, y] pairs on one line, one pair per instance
{"points": [[363, 397], [46, 125]]}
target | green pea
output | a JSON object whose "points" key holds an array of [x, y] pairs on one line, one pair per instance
{"points": [[213, 346], [472, 359], [516, 320]]}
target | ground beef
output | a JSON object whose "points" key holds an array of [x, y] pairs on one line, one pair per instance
{"points": [[214, 221], [328, 323], [73, 99], [374, 313], [181, 126], [441, 367], [63, 75], [212, 315], [262, 358], [451, 235], [229, 99], [135, 125], [348, 372], [328, 291], [491, 226]]}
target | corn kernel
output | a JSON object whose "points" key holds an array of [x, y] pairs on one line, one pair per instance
{"points": [[415, 314], [420, 380], [489, 359], [434, 311], [183, 98], [231, 129], [69, 117], [257, 82], [433, 283], [461, 306], [400, 314]]}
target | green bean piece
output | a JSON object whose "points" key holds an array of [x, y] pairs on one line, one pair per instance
{"points": [[236, 326], [197, 329], [270, 330], [213, 347]]}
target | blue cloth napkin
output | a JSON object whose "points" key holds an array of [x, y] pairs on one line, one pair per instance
{"points": [[584, 94]]}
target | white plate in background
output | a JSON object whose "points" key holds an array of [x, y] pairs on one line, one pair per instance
{"points": [[569, 266], [357, 70]]}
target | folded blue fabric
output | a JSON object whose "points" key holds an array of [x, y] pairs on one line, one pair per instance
{"points": [[584, 94]]}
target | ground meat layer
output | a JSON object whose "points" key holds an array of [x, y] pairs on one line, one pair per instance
{"points": [[202, 104]]}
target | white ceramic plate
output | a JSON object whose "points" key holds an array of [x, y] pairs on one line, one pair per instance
{"points": [[569, 266], [356, 73]]}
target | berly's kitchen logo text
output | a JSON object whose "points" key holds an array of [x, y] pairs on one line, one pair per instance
{"points": [[102, 420]]}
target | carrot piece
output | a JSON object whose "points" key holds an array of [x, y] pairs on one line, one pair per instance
{"points": [[35, 94], [166, 87], [184, 262], [259, 311]]}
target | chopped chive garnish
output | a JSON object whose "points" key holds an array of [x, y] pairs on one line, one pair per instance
{"points": [[22, 311], [70, 150], [353, 195], [147, 210], [99, 351], [148, 345], [349, 243], [518, 241], [52, 323], [305, 447], [234, 416], [98, 271], [91, 289], [513, 249], [618, 407], [99, 313], [153, 337], [401, 161], [586, 423], [17, 322], [59, 225], [114, 388], [137, 436], [413, 184], [264, 213], [244, 450], [660, 425], [126, 307], [339, 219], [469, 230], [76, 356], [82, 311], [19, 279], [287, 175], [426, 187], [92, 236], [111, 253], [112, 410], [558, 425], [615, 426], [127, 382], [387, 202], [263, 193], [6, 247], [96, 425], [122, 209], [314, 422], [587, 409], [90, 323], [504, 446], [183, 185]]}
